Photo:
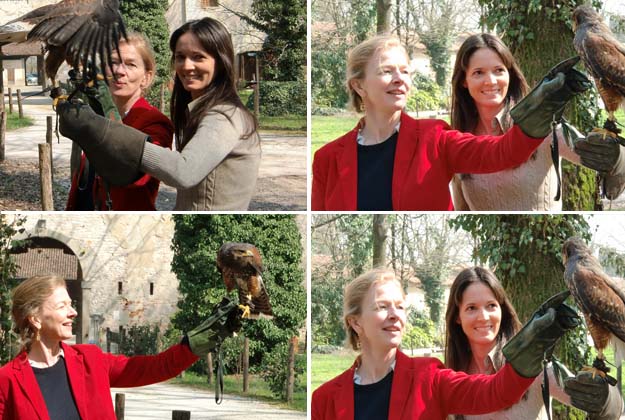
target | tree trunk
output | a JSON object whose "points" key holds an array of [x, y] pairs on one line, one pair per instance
{"points": [[552, 43], [383, 16], [379, 240]]}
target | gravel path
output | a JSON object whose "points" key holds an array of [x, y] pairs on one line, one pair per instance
{"points": [[282, 183]]}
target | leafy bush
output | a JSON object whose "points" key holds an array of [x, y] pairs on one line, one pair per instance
{"points": [[426, 95], [420, 331], [325, 349], [276, 370], [328, 77], [139, 340], [281, 98]]}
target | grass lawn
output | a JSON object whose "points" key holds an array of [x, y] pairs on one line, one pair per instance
{"points": [[287, 124], [233, 384], [327, 128], [326, 366], [14, 122]]}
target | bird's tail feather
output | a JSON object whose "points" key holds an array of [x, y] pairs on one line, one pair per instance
{"points": [[619, 350]]}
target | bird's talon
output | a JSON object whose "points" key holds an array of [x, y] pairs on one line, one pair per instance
{"points": [[246, 311]]}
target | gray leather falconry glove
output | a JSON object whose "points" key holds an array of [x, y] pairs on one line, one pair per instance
{"points": [[594, 395], [604, 155], [535, 113], [536, 340]]}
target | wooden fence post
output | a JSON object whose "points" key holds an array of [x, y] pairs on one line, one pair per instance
{"points": [[49, 141], [3, 129], [246, 364], [20, 109], [290, 382], [257, 88], [10, 101], [120, 406], [45, 176], [209, 368], [180, 415]]}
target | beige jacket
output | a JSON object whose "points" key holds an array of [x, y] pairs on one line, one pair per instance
{"points": [[216, 170]]}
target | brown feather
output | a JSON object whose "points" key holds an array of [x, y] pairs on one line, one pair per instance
{"points": [[241, 266]]}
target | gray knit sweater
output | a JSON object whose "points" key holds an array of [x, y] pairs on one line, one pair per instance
{"points": [[216, 169]]}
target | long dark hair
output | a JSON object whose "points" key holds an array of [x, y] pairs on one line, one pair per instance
{"points": [[216, 41], [457, 348], [464, 115]]}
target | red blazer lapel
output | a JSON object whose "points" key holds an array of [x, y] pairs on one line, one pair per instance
{"points": [[347, 168], [404, 155], [29, 385], [76, 375], [344, 397], [402, 386]]}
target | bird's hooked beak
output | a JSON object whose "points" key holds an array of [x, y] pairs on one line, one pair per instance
{"points": [[248, 253]]}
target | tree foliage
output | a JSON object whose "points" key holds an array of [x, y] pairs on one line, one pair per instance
{"points": [[196, 241], [10, 226], [148, 17], [525, 251]]}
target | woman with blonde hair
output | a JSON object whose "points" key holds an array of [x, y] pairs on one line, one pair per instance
{"points": [[51, 379], [391, 161], [385, 383], [133, 74]]}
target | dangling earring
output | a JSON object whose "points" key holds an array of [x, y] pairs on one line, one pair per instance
{"points": [[37, 337]]}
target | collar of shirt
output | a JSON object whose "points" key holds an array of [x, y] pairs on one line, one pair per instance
{"points": [[358, 379], [34, 364], [361, 140]]}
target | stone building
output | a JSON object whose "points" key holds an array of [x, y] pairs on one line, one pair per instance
{"points": [[246, 40], [118, 267]]}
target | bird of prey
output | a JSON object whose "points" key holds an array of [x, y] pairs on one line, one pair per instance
{"points": [[600, 298], [604, 57], [241, 266], [79, 32]]}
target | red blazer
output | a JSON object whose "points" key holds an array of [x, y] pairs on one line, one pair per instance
{"points": [[423, 389], [91, 375], [428, 154], [141, 195]]}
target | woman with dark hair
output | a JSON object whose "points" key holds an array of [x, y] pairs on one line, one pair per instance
{"points": [[480, 321], [486, 84], [50, 379], [385, 383], [217, 157], [391, 161]]}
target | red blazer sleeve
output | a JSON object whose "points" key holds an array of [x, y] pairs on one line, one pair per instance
{"points": [[468, 153], [460, 393], [144, 370]]}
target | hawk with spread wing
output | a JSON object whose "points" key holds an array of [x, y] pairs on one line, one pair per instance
{"points": [[600, 299], [604, 57], [79, 32], [241, 266]]}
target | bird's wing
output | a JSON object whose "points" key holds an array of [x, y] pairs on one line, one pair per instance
{"points": [[598, 300], [86, 28], [605, 59]]}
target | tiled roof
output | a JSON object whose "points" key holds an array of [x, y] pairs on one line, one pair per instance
{"points": [[46, 261]]}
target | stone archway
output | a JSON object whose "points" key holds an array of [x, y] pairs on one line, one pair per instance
{"points": [[42, 255]]}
